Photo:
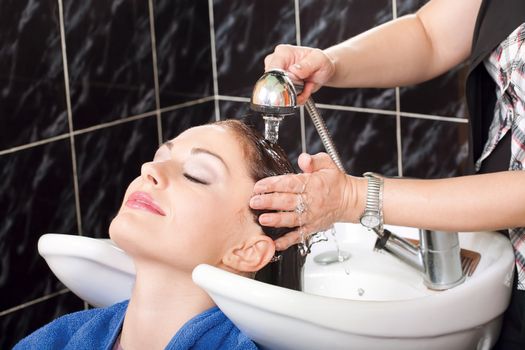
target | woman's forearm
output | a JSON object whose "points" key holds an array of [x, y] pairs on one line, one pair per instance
{"points": [[408, 50], [467, 203]]}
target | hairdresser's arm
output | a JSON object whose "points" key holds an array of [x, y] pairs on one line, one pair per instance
{"points": [[407, 50], [468, 203]]}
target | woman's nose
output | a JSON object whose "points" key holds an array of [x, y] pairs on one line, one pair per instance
{"points": [[153, 174]]}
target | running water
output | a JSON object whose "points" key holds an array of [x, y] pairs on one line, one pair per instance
{"points": [[333, 256], [340, 256], [271, 127]]}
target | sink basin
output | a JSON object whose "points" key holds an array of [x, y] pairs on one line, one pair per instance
{"points": [[370, 301], [96, 270]]}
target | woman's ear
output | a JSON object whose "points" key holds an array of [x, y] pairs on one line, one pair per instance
{"points": [[251, 255]]}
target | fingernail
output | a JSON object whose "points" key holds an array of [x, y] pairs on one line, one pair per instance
{"points": [[297, 66], [255, 201], [264, 220]]}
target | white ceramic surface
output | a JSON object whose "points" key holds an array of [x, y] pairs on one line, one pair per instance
{"points": [[96, 270], [371, 301]]}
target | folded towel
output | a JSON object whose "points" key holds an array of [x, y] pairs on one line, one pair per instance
{"points": [[99, 329]]}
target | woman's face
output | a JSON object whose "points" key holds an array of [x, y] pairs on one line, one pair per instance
{"points": [[190, 204]]}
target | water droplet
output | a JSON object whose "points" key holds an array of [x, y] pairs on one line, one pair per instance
{"points": [[360, 291]]}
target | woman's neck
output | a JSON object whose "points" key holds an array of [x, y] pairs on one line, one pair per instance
{"points": [[162, 301]]}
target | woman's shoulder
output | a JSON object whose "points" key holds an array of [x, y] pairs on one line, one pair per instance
{"points": [[77, 330]]}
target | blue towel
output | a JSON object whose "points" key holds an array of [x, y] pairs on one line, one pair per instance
{"points": [[99, 329]]}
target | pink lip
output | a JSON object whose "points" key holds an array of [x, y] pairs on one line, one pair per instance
{"points": [[143, 201]]}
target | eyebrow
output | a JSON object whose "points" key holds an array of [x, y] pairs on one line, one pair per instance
{"points": [[198, 150]]}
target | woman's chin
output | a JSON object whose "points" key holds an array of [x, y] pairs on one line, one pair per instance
{"points": [[126, 231]]}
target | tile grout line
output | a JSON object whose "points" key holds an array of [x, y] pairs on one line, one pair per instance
{"points": [[34, 144], [232, 98], [303, 129], [355, 109], [222, 98], [462, 120], [297, 23], [69, 114], [114, 122], [155, 68], [187, 104], [33, 302], [104, 125], [363, 110], [298, 41], [214, 60], [399, 145]]}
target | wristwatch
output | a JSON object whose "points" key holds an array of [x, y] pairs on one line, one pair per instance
{"points": [[372, 217]]}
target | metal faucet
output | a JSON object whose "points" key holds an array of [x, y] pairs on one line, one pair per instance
{"points": [[437, 257], [275, 96]]}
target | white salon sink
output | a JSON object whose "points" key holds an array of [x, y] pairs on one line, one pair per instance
{"points": [[96, 270], [371, 301]]}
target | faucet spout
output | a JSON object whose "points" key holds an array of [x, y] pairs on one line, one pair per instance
{"points": [[400, 248], [437, 256]]}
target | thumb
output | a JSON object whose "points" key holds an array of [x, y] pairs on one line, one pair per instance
{"points": [[319, 161]]}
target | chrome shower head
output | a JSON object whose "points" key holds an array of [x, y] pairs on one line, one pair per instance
{"points": [[274, 96], [274, 93]]}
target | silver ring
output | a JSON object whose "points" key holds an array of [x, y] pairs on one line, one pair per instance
{"points": [[276, 257]]}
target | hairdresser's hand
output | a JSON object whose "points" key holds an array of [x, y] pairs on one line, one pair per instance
{"points": [[302, 64], [312, 201]]}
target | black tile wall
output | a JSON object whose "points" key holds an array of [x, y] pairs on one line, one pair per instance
{"points": [[326, 23], [176, 121], [184, 65], [407, 7], [245, 32], [16, 325], [108, 160], [434, 149], [36, 196], [366, 142], [32, 98], [443, 95], [109, 56], [112, 66]]}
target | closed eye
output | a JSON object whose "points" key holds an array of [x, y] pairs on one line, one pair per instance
{"points": [[196, 180]]}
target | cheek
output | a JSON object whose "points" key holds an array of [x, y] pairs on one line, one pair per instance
{"points": [[202, 228]]}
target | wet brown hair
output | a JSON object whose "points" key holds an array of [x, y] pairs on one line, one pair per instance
{"points": [[268, 159]]}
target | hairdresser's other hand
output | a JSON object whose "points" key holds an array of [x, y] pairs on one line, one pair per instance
{"points": [[322, 190], [311, 66]]}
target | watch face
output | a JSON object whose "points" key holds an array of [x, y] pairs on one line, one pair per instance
{"points": [[370, 220]]}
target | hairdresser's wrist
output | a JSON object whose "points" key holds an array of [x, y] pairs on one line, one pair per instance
{"points": [[333, 61], [354, 199]]}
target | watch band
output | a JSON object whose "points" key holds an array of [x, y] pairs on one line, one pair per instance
{"points": [[374, 198]]}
